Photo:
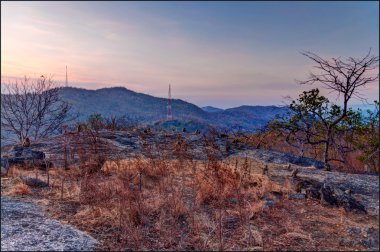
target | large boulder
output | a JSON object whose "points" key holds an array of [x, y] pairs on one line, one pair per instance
{"points": [[26, 153], [19, 155], [330, 194], [354, 192], [34, 182]]}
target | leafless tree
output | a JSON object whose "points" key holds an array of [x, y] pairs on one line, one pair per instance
{"points": [[33, 108], [344, 77]]}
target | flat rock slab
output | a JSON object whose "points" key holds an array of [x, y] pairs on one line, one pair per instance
{"points": [[25, 227], [276, 157]]}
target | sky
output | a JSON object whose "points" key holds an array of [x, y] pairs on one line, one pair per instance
{"points": [[223, 54]]}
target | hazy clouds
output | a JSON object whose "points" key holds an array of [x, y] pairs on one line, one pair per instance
{"points": [[213, 53]]}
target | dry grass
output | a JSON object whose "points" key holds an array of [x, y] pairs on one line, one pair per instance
{"points": [[171, 205], [15, 171], [186, 208], [19, 189], [185, 204]]}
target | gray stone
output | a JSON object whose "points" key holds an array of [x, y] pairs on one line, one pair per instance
{"points": [[370, 243], [269, 203], [276, 157], [24, 227], [19, 155], [354, 230], [34, 182], [3, 171], [232, 201], [297, 196]]}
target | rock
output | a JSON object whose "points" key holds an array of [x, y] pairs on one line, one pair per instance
{"points": [[25, 227], [354, 230], [348, 191], [370, 243], [327, 197], [257, 237], [348, 242], [370, 231], [276, 157], [231, 222], [3, 171], [256, 248], [277, 195], [335, 196], [269, 203], [232, 201], [313, 192], [353, 188], [329, 194], [289, 167], [265, 170], [25, 152], [34, 182], [297, 196], [19, 155], [4, 166], [350, 204], [370, 240], [294, 173]]}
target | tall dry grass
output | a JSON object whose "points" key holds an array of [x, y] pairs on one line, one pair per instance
{"points": [[164, 198]]}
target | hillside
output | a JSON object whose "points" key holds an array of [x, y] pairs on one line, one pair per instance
{"points": [[247, 117], [211, 109], [149, 109], [120, 101]]}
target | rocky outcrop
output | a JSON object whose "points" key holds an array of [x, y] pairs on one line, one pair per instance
{"points": [[19, 155], [329, 194], [269, 156], [25, 227], [122, 144], [34, 182], [366, 236], [354, 192]]}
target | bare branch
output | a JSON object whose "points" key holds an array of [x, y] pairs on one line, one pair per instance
{"points": [[33, 108]]}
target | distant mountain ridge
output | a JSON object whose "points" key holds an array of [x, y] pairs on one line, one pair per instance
{"points": [[212, 109], [247, 118], [119, 101]]}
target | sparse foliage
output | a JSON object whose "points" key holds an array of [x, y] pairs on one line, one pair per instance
{"points": [[33, 109], [313, 119]]}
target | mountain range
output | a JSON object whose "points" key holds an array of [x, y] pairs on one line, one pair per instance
{"points": [[119, 101], [212, 109]]}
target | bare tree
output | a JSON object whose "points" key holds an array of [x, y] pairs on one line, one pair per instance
{"points": [[344, 77], [33, 109]]}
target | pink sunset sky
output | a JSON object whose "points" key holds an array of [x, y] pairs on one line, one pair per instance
{"points": [[222, 54]]}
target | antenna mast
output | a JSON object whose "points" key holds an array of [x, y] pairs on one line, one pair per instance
{"points": [[169, 115]]}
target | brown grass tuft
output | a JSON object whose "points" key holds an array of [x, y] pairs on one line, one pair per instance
{"points": [[20, 189]]}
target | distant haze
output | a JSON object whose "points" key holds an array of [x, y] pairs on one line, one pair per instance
{"points": [[221, 54]]}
